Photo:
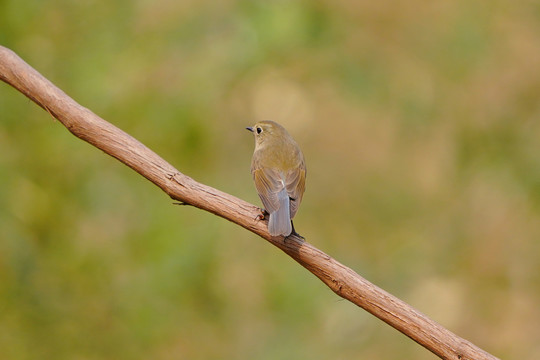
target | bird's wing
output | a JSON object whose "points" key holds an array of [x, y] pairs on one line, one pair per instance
{"points": [[268, 183], [295, 183]]}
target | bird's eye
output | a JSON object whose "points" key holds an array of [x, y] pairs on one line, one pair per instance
{"points": [[259, 130]]}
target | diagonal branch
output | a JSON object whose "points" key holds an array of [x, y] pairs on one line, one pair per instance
{"points": [[346, 283]]}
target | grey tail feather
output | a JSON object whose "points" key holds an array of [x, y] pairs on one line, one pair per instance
{"points": [[280, 220]]}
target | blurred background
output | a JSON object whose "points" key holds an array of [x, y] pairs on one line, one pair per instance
{"points": [[420, 124]]}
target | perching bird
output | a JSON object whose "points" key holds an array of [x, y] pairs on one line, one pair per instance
{"points": [[279, 172]]}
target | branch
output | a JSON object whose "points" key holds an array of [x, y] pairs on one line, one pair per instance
{"points": [[342, 280]]}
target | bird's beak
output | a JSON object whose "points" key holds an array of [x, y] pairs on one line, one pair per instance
{"points": [[250, 129]]}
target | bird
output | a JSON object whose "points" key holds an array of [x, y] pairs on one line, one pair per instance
{"points": [[278, 168]]}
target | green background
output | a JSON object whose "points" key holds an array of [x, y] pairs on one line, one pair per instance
{"points": [[420, 124]]}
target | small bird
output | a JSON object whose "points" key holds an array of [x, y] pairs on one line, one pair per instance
{"points": [[279, 171]]}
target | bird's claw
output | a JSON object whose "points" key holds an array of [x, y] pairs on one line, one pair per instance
{"points": [[262, 215]]}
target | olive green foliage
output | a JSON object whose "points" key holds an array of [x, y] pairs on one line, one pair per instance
{"points": [[420, 124]]}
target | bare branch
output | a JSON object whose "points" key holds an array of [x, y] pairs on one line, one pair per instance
{"points": [[342, 280]]}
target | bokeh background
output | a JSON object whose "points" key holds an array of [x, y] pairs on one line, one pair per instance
{"points": [[420, 123]]}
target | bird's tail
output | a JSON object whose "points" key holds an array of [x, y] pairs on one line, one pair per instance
{"points": [[280, 220]]}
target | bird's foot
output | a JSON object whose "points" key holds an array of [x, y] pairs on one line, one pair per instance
{"points": [[262, 215], [294, 233]]}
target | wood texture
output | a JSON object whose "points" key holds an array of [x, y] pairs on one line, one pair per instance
{"points": [[346, 283]]}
